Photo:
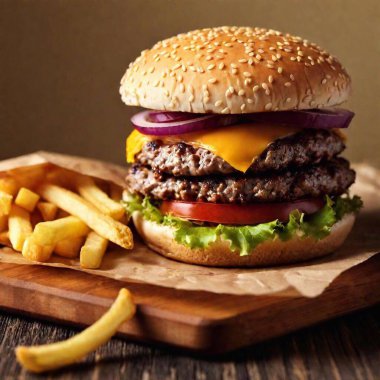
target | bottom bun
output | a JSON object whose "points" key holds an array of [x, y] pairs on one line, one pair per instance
{"points": [[161, 239]]}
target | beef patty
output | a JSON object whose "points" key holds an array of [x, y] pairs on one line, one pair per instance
{"points": [[331, 177], [309, 146]]}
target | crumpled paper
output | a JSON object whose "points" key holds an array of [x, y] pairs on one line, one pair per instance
{"points": [[141, 264]]}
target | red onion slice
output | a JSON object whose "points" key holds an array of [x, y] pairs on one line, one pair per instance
{"points": [[159, 123], [167, 117], [196, 123], [316, 118]]}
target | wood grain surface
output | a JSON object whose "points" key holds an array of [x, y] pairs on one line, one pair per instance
{"points": [[199, 321], [347, 348]]}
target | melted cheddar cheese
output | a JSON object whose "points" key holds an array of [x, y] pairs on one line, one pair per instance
{"points": [[238, 145]]}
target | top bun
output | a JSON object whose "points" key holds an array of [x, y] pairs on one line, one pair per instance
{"points": [[234, 70]]}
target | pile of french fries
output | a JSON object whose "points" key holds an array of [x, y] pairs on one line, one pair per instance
{"points": [[47, 210]]}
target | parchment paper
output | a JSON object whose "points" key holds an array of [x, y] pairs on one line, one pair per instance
{"points": [[143, 265]]}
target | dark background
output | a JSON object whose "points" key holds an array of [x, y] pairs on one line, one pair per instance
{"points": [[61, 62]]}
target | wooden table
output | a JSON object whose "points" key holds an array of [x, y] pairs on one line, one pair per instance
{"points": [[344, 348]]}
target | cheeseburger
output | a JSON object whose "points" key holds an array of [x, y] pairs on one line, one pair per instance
{"points": [[236, 161]]}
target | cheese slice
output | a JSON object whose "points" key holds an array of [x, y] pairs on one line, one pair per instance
{"points": [[239, 145]]}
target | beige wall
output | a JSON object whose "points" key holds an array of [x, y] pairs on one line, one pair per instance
{"points": [[61, 61]]}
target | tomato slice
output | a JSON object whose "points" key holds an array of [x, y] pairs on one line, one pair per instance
{"points": [[244, 214]]}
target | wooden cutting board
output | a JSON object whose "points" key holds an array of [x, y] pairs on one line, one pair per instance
{"points": [[200, 321]]}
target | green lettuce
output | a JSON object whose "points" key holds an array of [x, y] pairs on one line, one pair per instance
{"points": [[245, 238]]}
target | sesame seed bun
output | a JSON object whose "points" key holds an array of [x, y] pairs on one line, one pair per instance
{"points": [[234, 70], [161, 239]]}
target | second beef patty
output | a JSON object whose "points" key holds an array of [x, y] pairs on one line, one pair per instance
{"points": [[331, 178]]}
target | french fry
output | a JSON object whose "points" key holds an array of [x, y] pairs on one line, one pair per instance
{"points": [[50, 233], [69, 248], [51, 356], [4, 239], [3, 223], [102, 224], [27, 199], [91, 192], [9, 185], [36, 252], [5, 203], [48, 210], [92, 252], [19, 226]]}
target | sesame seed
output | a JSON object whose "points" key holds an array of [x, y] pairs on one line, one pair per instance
{"points": [[264, 86], [279, 70], [182, 87], [291, 76], [221, 66], [270, 79], [247, 81], [233, 65], [177, 66], [288, 100], [242, 107], [208, 58], [151, 69], [250, 101], [212, 80], [324, 81], [231, 89], [218, 103], [206, 99], [226, 110], [293, 58], [210, 67], [268, 106], [287, 84], [234, 71], [243, 60], [241, 92], [191, 98], [200, 70], [255, 88]]}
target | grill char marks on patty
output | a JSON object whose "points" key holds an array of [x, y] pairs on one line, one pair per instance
{"points": [[310, 146], [331, 177]]}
